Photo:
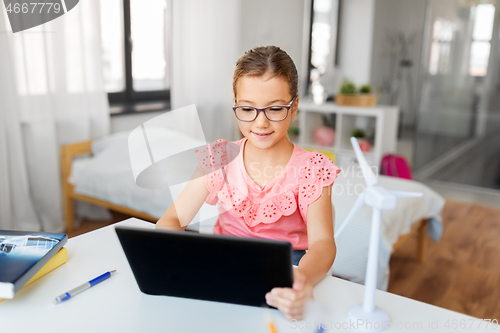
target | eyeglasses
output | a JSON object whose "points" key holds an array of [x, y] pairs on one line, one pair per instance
{"points": [[272, 112]]}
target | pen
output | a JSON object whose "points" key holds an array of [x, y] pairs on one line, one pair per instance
{"points": [[83, 287]]}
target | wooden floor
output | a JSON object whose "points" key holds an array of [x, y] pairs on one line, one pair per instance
{"points": [[461, 272]]}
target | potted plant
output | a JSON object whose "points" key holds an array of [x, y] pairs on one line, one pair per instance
{"points": [[365, 89], [350, 96], [361, 136]]}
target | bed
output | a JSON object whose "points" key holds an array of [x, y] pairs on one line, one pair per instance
{"points": [[99, 172]]}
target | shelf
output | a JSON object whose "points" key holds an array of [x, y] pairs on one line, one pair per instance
{"points": [[340, 109], [347, 146], [311, 121], [352, 122], [379, 123], [369, 154], [295, 140], [318, 147]]}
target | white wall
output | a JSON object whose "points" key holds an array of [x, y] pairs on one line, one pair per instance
{"points": [[392, 18], [208, 38], [277, 22], [355, 39], [205, 49]]}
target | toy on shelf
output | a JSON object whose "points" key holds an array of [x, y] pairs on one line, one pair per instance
{"points": [[324, 136]]}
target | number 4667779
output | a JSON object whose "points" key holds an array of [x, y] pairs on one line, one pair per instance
{"points": [[471, 323], [33, 7]]}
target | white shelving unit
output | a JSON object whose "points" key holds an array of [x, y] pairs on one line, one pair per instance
{"points": [[382, 120]]}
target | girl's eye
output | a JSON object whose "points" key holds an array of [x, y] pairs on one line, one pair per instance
{"points": [[247, 109], [278, 109]]}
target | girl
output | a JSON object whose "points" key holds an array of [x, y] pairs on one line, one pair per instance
{"points": [[274, 188]]}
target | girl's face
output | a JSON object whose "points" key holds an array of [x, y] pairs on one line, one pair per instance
{"points": [[260, 92]]}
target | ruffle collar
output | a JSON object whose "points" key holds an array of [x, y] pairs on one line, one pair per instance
{"points": [[317, 172], [269, 211]]}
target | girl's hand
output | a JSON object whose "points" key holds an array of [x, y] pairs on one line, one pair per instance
{"points": [[291, 301]]}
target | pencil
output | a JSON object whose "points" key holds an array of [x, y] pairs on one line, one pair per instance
{"points": [[270, 323], [272, 327]]}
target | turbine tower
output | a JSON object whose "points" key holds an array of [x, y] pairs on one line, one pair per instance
{"points": [[379, 199]]}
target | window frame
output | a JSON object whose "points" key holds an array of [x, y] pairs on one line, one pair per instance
{"points": [[336, 44], [129, 100], [481, 40]]}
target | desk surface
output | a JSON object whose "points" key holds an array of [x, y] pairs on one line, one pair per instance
{"points": [[117, 305]]}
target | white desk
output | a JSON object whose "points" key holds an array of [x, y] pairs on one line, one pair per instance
{"points": [[117, 305]]}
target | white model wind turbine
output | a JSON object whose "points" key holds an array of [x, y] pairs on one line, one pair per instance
{"points": [[375, 318]]}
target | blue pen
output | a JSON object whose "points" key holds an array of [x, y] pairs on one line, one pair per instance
{"points": [[83, 287]]}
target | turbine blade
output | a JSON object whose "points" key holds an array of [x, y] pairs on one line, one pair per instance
{"points": [[404, 194], [368, 174], [357, 205]]}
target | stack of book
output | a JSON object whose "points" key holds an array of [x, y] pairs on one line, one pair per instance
{"points": [[27, 256]]}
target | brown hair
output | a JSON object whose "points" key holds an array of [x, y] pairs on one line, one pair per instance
{"points": [[267, 59]]}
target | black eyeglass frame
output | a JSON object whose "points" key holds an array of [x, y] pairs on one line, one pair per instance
{"points": [[287, 107]]}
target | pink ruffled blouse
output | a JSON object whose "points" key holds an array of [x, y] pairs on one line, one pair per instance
{"points": [[278, 210]]}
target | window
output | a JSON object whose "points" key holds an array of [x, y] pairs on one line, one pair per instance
{"points": [[484, 15], [135, 45], [323, 41], [323, 33], [443, 33]]}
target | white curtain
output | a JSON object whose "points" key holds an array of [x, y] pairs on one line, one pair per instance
{"points": [[205, 48], [51, 93]]}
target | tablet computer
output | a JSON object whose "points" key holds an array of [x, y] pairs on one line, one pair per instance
{"points": [[207, 267]]}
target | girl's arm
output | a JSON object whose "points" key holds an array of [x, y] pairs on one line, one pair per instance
{"points": [[314, 264], [321, 245], [187, 204]]}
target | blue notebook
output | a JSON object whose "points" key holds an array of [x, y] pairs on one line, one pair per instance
{"points": [[22, 255]]}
